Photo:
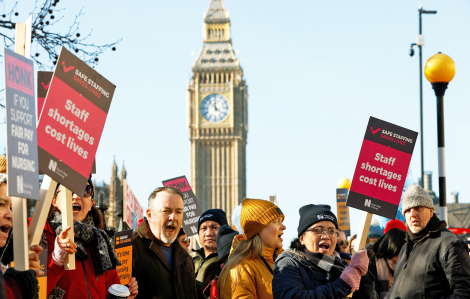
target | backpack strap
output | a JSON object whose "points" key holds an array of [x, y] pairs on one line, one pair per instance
{"points": [[266, 263]]}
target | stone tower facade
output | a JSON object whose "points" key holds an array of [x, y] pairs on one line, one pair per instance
{"points": [[115, 195], [217, 106]]}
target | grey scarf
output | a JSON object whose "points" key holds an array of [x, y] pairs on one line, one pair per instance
{"points": [[331, 264], [89, 236]]}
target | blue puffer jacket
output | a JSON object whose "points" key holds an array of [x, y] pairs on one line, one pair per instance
{"points": [[296, 278]]}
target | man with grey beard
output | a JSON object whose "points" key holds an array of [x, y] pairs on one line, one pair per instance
{"points": [[160, 265]]}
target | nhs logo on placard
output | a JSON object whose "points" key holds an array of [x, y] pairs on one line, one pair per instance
{"points": [[19, 183], [52, 165], [367, 202]]}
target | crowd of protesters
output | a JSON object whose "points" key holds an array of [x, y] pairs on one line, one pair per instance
{"points": [[421, 259]]}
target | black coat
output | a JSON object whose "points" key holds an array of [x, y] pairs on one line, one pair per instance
{"points": [[437, 267], [297, 278], [152, 272]]}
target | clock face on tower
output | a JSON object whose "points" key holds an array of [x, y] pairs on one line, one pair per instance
{"points": [[214, 108]]}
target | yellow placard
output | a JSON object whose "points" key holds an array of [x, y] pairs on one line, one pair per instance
{"points": [[343, 211], [125, 270]]}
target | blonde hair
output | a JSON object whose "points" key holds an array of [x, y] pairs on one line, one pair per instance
{"points": [[245, 249]]}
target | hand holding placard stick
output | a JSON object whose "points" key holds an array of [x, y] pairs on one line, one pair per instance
{"points": [[380, 173]]}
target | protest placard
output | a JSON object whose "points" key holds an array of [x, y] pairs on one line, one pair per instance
{"points": [[123, 248], [381, 171], [44, 81], [343, 211], [20, 121], [22, 152], [72, 121], [132, 209], [382, 168], [192, 210]]}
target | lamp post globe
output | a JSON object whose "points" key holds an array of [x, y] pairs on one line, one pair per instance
{"points": [[440, 70], [344, 183]]}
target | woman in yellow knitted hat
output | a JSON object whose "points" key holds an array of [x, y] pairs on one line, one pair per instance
{"points": [[249, 269]]}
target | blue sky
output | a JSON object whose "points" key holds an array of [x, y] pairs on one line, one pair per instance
{"points": [[316, 71]]}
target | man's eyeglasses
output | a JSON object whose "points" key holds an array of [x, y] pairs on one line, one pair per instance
{"points": [[332, 232], [342, 243]]}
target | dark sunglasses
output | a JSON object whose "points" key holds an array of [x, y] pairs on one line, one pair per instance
{"points": [[88, 190], [341, 243]]}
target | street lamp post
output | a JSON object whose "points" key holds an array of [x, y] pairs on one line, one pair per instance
{"points": [[420, 44], [440, 70]]}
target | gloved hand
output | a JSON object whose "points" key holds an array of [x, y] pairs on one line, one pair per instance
{"points": [[356, 269], [63, 246]]}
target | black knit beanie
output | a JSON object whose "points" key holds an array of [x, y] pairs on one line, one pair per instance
{"points": [[216, 215], [311, 214], [181, 232]]}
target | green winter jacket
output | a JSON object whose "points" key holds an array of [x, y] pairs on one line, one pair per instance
{"points": [[201, 262]]}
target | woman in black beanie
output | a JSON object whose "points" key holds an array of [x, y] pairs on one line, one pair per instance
{"points": [[314, 269]]}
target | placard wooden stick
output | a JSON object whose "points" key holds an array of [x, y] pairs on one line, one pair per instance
{"points": [[28, 36], [20, 236], [41, 211], [67, 220], [19, 206], [20, 38], [363, 231]]}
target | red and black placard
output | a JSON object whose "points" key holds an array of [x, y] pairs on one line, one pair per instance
{"points": [[381, 169], [72, 120]]}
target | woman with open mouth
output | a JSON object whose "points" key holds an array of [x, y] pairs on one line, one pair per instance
{"points": [[314, 269], [96, 260], [249, 269]]}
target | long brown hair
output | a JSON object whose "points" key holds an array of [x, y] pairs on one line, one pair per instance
{"points": [[245, 249]]}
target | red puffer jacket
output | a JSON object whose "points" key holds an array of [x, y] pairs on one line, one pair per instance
{"points": [[79, 283]]}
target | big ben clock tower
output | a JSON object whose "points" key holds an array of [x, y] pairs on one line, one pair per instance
{"points": [[218, 117]]}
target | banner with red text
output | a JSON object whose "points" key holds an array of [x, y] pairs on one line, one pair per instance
{"points": [[192, 210], [132, 209], [72, 121], [44, 80], [20, 106], [381, 169]]}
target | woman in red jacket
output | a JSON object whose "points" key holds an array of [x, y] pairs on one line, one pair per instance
{"points": [[95, 265]]}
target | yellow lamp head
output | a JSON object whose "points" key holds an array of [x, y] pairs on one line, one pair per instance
{"points": [[439, 68], [344, 183]]}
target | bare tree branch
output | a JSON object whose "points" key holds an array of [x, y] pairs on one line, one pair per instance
{"points": [[50, 40]]}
